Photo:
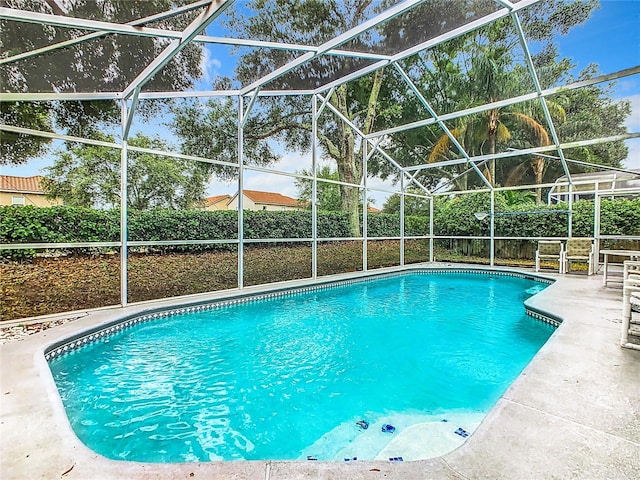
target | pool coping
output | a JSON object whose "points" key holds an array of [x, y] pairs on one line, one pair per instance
{"points": [[37, 440]]}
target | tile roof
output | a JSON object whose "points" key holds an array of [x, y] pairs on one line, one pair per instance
{"points": [[9, 183], [217, 198], [270, 198]]}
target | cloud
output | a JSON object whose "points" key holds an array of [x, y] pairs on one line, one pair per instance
{"points": [[271, 183], [633, 121], [219, 187], [209, 66], [633, 159], [294, 162], [633, 124]]}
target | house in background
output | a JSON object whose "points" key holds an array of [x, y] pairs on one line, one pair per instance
{"points": [[219, 202], [257, 200], [24, 191]]}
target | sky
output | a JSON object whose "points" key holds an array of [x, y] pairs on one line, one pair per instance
{"points": [[611, 38]]}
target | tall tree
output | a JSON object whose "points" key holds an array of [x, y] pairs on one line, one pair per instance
{"points": [[107, 63], [362, 102], [209, 130], [328, 194], [412, 205], [485, 66], [89, 176]]}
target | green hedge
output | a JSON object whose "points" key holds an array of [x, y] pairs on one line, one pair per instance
{"points": [[28, 224], [456, 217]]}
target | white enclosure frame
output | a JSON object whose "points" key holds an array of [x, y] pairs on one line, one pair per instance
{"points": [[209, 10]]}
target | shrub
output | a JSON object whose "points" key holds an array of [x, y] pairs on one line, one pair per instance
{"points": [[455, 217]]}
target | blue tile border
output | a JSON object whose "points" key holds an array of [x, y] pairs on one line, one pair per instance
{"points": [[103, 332]]}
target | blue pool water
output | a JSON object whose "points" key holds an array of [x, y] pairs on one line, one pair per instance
{"points": [[287, 377]]}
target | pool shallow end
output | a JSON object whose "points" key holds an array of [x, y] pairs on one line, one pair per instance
{"points": [[551, 422], [428, 440]]}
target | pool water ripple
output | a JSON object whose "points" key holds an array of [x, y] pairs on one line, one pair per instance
{"points": [[286, 377]]}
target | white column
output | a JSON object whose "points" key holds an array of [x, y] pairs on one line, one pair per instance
{"points": [[124, 263], [402, 219], [314, 189], [492, 226], [240, 193], [431, 200], [364, 206]]}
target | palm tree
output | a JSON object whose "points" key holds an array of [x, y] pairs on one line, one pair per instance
{"points": [[518, 197], [491, 77]]}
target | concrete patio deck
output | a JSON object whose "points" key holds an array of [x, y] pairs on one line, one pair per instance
{"points": [[573, 413]]}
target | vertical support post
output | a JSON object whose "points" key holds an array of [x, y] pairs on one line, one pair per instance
{"points": [[240, 193], [314, 188], [364, 207], [124, 251], [570, 215], [401, 220], [596, 224], [431, 200], [492, 226]]}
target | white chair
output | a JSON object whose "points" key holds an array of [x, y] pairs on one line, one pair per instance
{"points": [[580, 250], [630, 303], [550, 250]]}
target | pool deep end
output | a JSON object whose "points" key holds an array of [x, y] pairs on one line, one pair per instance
{"points": [[287, 404]]}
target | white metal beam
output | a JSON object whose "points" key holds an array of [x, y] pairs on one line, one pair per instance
{"points": [[83, 24], [294, 47], [75, 96], [89, 141], [94, 35], [588, 164], [510, 101], [527, 151], [335, 42], [56, 136], [245, 116], [216, 7], [538, 87], [103, 28], [456, 32], [71, 96], [126, 126]]}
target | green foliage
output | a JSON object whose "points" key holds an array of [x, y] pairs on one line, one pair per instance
{"points": [[89, 176], [518, 197], [620, 217], [455, 217], [328, 193], [485, 65], [412, 205], [452, 216], [16, 148], [210, 130], [107, 64]]}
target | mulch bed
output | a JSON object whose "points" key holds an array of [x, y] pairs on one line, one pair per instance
{"points": [[47, 285]]}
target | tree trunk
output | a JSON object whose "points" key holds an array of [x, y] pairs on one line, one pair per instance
{"points": [[350, 167], [493, 131], [537, 164]]}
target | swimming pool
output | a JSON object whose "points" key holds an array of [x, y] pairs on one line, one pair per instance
{"points": [[287, 376]]}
